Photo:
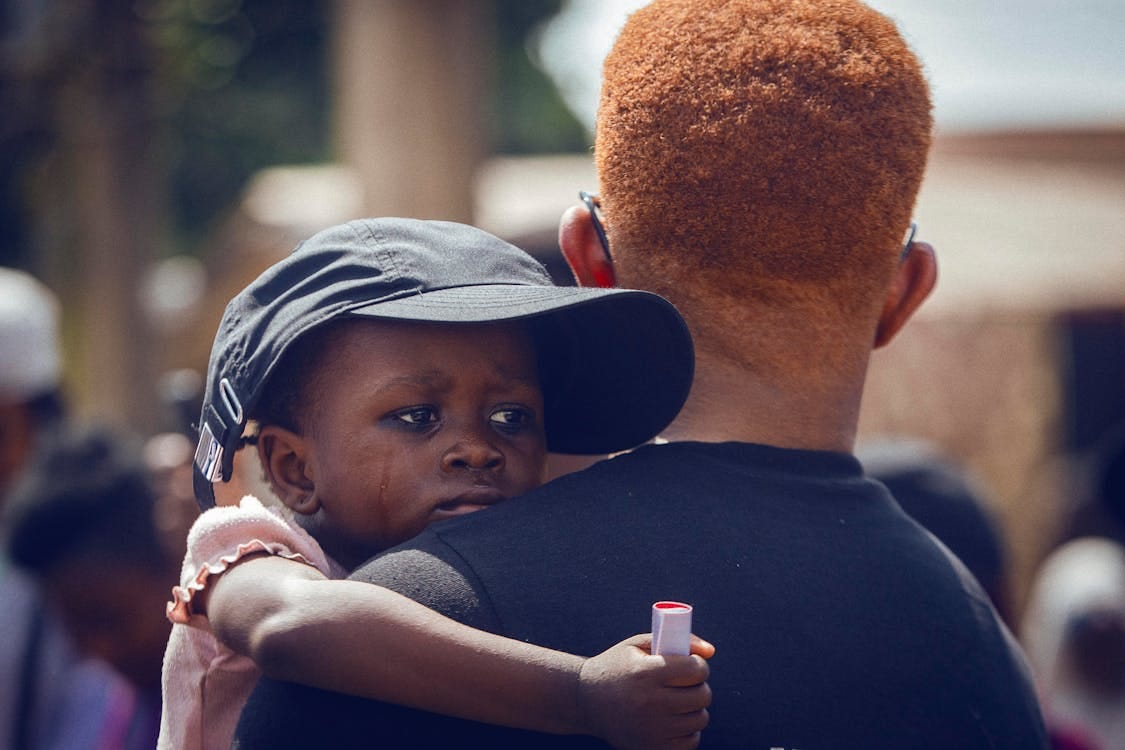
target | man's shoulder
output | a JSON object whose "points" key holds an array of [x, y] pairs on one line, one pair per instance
{"points": [[442, 566], [652, 479]]}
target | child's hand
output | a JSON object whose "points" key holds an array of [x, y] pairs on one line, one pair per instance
{"points": [[632, 699]]}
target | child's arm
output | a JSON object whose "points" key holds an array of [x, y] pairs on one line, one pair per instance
{"points": [[365, 640]]}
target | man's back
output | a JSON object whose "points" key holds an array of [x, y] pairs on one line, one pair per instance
{"points": [[839, 623]]}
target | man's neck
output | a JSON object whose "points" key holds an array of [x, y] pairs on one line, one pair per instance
{"points": [[805, 410]]}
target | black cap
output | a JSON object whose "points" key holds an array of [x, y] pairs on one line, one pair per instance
{"points": [[616, 364]]}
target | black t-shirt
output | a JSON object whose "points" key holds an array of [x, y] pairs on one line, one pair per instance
{"points": [[838, 621]]}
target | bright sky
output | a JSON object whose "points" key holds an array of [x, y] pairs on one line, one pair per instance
{"points": [[991, 63]]}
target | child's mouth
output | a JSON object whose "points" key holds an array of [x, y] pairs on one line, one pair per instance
{"points": [[468, 502]]}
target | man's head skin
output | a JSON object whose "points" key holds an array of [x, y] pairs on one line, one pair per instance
{"points": [[758, 163]]}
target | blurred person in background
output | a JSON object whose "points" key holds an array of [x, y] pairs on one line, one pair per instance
{"points": [[81, 521], [168, 456], [949, 503], [1074, 632], [1074, 625], [50, 697], [31, 402], [1097, 507]]}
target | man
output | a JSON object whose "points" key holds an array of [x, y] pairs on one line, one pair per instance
{"points": [[759, 161]]}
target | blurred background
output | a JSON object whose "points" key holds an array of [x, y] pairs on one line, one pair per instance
{"points": [[155, 155]]}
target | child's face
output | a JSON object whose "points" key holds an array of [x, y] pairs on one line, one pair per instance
{"points": [[415, 423]]}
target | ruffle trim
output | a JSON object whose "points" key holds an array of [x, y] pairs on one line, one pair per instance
{"points": [[179, 609]]}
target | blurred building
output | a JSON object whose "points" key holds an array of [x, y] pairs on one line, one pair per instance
{"points": [[1017, 364]]}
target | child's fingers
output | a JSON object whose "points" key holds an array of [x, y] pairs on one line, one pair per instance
{"points": [[684, 671], [643, 641], [688, 742], [689, 723], [691, 742], [685, 701], [701, 647], [685, 731]]}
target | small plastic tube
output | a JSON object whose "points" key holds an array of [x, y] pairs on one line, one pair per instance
{"points": [[671, 628]]}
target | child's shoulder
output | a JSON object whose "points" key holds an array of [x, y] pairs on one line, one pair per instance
{"points": [[229, 524], [223, 535]]}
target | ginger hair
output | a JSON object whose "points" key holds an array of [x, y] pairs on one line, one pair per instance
{"points": [[761, 148]]}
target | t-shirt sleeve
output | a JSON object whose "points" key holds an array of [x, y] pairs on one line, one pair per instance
{"points": [[222, 536], [429, 572]]}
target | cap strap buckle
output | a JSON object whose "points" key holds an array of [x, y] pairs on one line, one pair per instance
{"points": [[230, 401], [209, 455]]}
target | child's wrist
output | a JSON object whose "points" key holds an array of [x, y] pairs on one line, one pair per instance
{"points": [[585, 716], [580, 719]]}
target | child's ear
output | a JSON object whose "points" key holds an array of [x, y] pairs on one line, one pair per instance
{"points": [[284, 455]]}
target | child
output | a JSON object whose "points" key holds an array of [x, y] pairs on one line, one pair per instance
{"points": [[401, 372]]}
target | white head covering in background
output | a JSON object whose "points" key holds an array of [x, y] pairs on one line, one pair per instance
{"points": [[1074, 634], [30, 361]]}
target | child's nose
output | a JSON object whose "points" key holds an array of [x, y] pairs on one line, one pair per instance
{"points": [[473, 453]]}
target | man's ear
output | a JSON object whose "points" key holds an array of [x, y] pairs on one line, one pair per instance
{"points": [[583, 250], [913, 281], [285, 458]]}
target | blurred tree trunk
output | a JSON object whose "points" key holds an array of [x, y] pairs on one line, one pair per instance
{"points": [[106, 137], [411, 81]]}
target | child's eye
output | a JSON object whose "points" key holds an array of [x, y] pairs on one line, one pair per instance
{"points": [[511, 418], [416, 416]]}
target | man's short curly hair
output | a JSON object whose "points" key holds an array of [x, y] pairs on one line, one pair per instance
{"points": [[761, 146]]}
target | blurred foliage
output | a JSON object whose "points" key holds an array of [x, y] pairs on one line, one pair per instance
{"points": [[236, 85], [242, 84], [529, 115], [247, 86]]}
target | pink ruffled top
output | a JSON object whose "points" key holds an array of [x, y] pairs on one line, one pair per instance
{"points": [[205, 684]]}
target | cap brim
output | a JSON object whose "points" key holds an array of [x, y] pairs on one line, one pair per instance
{"points": [[615, 364], [484, 303]]}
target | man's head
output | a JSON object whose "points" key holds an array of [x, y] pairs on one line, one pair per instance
{"points": [[455, 306], [763, 152], [30, 368], [758, 162]]}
